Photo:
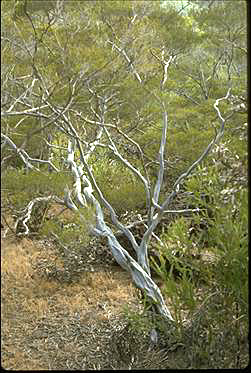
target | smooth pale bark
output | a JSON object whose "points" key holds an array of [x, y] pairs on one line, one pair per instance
{"points": [[139, 270], [82, 193]]}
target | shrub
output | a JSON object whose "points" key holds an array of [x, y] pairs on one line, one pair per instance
{"points": [[120, 187], [209, 299], [19, 188], [71, 230]]}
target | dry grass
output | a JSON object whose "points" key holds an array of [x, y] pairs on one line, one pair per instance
{"points": [[40, 314], [66, 312]]}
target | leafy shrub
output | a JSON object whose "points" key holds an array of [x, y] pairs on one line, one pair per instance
{"points": [[212, 305], [121, 188], [180, 140], [179, 269], [72, 231], [21, 187], [227, 230], [231, 235]]}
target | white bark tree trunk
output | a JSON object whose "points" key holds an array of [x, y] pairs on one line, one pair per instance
{"points": [[85, 184]]}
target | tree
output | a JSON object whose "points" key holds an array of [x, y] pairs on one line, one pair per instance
{"points": [[93, 102]]}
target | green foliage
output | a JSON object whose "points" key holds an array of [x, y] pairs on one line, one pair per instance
{"points": [[227, 232], [144, 322], [177, 261], [72, 231], [140, 322], [22, 7], [211, 308], [184, 146], [120, 186], [231, 236], [22, 187]]}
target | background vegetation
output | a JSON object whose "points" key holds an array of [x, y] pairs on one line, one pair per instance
{"points": [[59, 278]]}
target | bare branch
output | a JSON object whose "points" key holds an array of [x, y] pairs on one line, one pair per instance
{"points": [[139, 276], [161, 162], [158, 216], [22, 154], [25, 157], [165, 64], [25, 112], [128, 60], [24, 219]]}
